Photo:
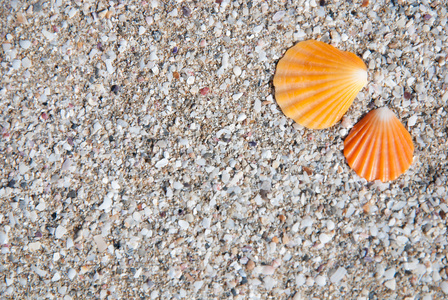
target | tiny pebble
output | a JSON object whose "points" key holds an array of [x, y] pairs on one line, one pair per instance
{"points": [[69, 243], [56, 277], [390, 284], [389, 274], [25, 44], [269, 282], [276, 263], [197, 285], [16, 64], [278, 15], [250, 265], [71, 273], [204, 91], [297, 296], [157, 36], [324, 238], [237, 96], [257, 106], [40, 272], [34, 246], [26, 62], [66, 165], [114, 185], [267, 270], [300, 280], [237, 71], [72, 12], [412, 120], [107, 203], [60, 231], [444, 287], [50, 36], [3, 238], [190, 80], [162, 163], [346, 122], [241, 117], [186, 11], [320, 280], [100, 243], [338, 275], [41, 206], [115, 89], [184, 224], [330, 225]]}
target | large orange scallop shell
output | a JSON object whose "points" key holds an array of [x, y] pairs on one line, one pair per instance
{"points": [[379, 147], [315, 83]]}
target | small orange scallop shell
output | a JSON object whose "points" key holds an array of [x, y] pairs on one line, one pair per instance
{"points": [[315, 83], [379, 147]]}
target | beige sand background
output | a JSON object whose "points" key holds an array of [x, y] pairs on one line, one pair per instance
{"points": [[144, 156]]}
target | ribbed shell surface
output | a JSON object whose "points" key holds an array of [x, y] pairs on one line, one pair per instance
{"points": [[379, 146], [315, 83]]}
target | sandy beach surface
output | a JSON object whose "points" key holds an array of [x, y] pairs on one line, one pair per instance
{"points": [[143, 154]]}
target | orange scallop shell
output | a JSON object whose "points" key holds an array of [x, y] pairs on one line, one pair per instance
{"points": [[379, 146], [315, 83]]}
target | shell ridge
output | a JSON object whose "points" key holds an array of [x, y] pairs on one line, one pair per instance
{"points": [[375, 154], [319, 99], [399, 146], [330, 53], [407, 139], [394, 154], [310, 84], [314, 46], [328, 72], [358, 136], [290, 82], [366, 159], [406, 157], [383, 167], [358, 141], [302, 67], [311, 54], [344, 101], [344, 107], [355, 59], [330, 111], [402, 161], [324, 57], [303, 60], [314, 96], [360, 128]]}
